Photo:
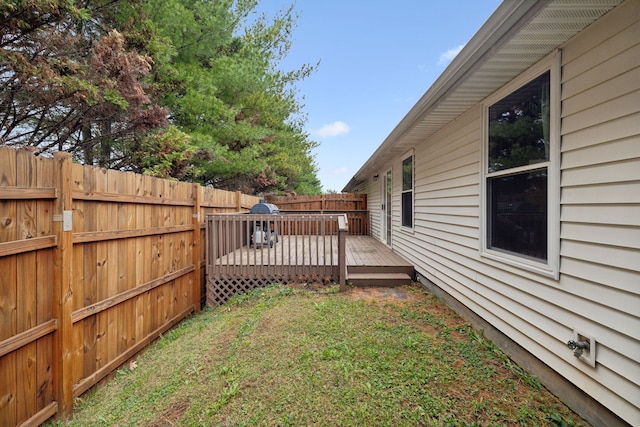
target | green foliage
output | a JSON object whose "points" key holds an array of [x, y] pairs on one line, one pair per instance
{"points": [[227, 93], [113, 97], [105, 79], [167, 153], [72, 78]]}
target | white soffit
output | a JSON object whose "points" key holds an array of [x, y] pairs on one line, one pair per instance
{"points": [[550, 27]]}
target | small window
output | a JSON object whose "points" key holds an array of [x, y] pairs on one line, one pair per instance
{"points": [[407, 192], [519, 178]]}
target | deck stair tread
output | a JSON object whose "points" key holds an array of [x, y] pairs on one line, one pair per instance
{"points": [[373, 269], [378, 275], [379, 279]]}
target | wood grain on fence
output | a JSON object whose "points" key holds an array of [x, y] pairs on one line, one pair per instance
{"points": [[354, 205], [27, 322], [94, 265]]}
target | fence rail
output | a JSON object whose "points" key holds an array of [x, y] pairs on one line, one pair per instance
{"points": [[94, 265], [248, 251]]}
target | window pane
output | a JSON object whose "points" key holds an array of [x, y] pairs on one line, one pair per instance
{"points": [[519, 126], [518, 213], [407, 209], [407, 173]]}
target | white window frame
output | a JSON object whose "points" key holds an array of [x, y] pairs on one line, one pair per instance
{"points": [[550, 267], [411, 154]]}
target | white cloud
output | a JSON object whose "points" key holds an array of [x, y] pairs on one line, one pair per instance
{"points": [[446, 57], [333, 129], [408, 99], [340, 171]]}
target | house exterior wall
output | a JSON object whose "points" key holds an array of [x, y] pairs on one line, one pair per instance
{"points": [[374, 203], [598, 290]]}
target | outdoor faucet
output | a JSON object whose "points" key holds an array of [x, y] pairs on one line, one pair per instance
{"points": [[578, 347]]}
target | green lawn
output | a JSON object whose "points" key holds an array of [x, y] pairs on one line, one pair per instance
{"points": [[289, 356]]}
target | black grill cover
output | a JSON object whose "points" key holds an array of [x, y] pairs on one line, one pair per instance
{"points": [[264, 208]]}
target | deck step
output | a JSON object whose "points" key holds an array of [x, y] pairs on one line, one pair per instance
{"points": [[379, 279], [375, 269]]}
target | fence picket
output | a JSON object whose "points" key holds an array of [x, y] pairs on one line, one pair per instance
{"points": [[8, 290], [26, 290], [45, 396]]}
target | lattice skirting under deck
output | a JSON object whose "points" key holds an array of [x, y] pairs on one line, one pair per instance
{"points": [[221, 289]]}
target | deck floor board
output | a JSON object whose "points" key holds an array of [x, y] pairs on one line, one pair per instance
{"points": [[322, 250]]}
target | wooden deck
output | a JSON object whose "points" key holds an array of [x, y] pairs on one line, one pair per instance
{"points": [[366, 251], [306, 248], [369, 261]]}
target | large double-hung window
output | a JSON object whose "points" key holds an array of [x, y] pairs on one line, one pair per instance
{"points": [[519, 173]]}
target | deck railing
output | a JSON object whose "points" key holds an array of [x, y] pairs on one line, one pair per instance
{"points": [[245, 251]]}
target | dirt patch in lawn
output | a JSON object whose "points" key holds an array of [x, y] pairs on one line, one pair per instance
{"points": [[171, 415], [382, 294]]}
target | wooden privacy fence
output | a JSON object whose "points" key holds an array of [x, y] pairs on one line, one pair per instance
{"points": [[249, 251], [353, 205], [94, 265]]}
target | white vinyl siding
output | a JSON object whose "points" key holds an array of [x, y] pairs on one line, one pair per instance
{"points": [[598, 289], [600, 200], [374, 204]]}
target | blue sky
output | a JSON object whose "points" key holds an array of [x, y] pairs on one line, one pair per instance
{"points": [[377, 58]]}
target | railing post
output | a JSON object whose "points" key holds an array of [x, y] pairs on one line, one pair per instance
{"points": [[63, 285], [343, 230]]}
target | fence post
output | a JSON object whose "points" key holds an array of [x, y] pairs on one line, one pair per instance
{"points": [[63, 285], [343, 230], [238, 201], [196, 255]]}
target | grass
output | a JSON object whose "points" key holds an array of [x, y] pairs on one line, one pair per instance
{"points": [[286, 356]]}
